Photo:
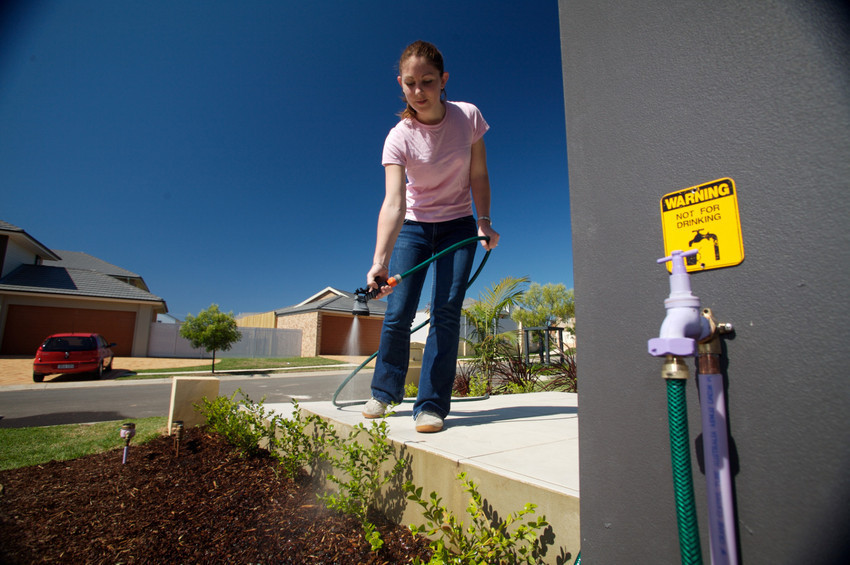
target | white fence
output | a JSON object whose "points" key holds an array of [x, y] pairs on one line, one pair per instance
{"points": [[165, 341]]}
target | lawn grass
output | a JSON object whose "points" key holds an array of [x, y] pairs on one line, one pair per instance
{"points": [[24, 447], [239, 364]]}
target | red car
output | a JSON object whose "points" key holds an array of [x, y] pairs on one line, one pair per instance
{"points": [[72, 353]]}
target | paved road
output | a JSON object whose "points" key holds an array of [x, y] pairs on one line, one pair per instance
{"points": [[83, 402]]}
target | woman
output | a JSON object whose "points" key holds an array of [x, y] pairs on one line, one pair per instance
{"points": [[436, 167]]}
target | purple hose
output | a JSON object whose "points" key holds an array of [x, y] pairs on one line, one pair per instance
{"points": [[718, 475]]}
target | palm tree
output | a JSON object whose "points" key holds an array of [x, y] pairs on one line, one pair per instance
{"points": [[484, 316]]}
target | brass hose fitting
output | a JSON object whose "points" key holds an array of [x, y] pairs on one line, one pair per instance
{"points": [[709, 349], [674, 368]]}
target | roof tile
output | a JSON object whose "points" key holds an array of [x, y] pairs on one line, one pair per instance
{"points": [[75, 282]]}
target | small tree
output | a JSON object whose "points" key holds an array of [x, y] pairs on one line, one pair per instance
{"points": [[543, 306], [212, 329]]}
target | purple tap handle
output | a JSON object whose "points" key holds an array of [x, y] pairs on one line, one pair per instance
{"points": [[677, 258]]}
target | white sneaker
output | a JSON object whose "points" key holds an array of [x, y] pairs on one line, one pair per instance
{"points": [[428, 422], [374, 408]]}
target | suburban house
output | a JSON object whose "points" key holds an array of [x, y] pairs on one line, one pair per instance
{"points": [[167, 319], [326, 323], [45, 291]]}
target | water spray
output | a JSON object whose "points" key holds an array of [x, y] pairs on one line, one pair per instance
{"points": [[128, 430]]}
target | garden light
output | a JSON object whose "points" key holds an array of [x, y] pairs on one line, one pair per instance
{"points": [[177, 432], [128, 430]]}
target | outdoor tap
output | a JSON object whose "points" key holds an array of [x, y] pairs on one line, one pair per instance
{"points": [[683, 326]]}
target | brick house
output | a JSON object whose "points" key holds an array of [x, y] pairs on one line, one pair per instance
{"points": [[45, 291], [326, 322]]}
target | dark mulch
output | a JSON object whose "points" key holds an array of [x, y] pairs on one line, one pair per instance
{"points": [[209, 505]]}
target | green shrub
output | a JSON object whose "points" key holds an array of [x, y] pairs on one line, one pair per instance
{"points": [[508, 373], [484, 540], [245, 425], [469, 381], [564, 374], [479, 385], [411, 390], [361, 463], [292, 446]]}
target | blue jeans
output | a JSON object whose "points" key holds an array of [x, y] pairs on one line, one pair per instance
{"points": [[418, 242]]}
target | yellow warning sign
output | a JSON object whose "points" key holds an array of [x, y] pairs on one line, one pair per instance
{"points": [[705, 218]]}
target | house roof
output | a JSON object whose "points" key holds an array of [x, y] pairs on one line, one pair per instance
{"points": [[84, 261], [327, 292], [80, 260], [40, 279], [332, 300], [167, 319], [27, 241]]}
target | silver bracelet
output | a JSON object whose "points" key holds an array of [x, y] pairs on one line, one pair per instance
{"points": [[489, 221], [380, 264]]}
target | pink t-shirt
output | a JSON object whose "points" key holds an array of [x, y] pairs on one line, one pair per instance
{"points": [[436, 159]]}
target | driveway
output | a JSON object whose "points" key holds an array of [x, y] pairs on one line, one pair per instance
{"points": [[17, 370]]}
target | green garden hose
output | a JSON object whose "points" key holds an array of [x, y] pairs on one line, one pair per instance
{"points": [[399, 278], [677, 411]]}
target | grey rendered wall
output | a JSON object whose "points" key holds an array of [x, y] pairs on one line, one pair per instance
{"points": [[660, 96]]}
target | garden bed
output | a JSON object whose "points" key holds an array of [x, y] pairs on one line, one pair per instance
{"points": [[207, 505]]}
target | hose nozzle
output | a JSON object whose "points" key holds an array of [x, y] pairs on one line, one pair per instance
{"points": [[361, 308], [361, 297], [364, 295]]}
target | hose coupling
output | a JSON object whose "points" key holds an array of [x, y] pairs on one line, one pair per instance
{"points": [[674, 367], [710, 349], [710, 345]]}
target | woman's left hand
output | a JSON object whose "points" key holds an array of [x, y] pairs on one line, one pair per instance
{"points": [[486, 230]]}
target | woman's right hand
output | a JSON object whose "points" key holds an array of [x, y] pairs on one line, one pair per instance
{"points": [[486, 230]]}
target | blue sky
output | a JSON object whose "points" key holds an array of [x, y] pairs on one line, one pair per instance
{"points": [[229, 152]]}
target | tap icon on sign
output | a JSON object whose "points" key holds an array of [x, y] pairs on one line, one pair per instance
{"points": [[698, 237]]}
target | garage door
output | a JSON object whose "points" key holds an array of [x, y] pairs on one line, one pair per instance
{"points": [[27, 326], [337, 338]]}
